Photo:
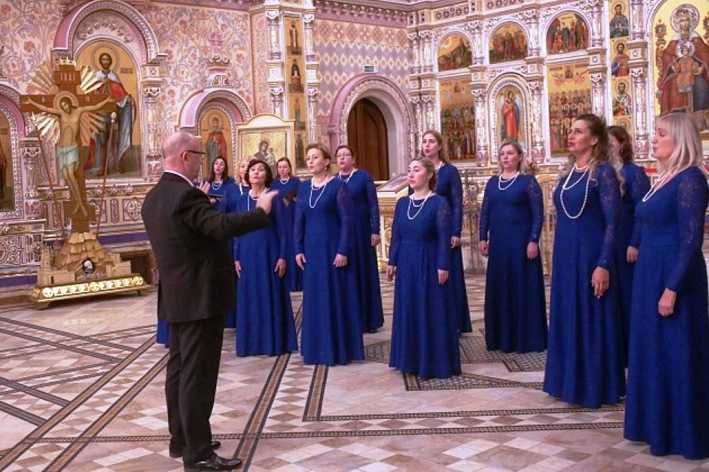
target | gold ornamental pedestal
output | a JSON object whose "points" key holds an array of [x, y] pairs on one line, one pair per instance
{"points": [[82, 268]]}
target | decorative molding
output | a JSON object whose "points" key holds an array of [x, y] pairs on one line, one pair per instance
{"points": [[348, 12], [18, 210]]}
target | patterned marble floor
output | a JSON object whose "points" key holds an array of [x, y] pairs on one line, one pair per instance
{"points": [[81, 389]]}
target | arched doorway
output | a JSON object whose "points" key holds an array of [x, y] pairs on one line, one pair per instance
{"points": [[367, 135]]}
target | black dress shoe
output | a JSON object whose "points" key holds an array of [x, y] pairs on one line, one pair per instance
{"points": [[213, 463], [177, 454]]}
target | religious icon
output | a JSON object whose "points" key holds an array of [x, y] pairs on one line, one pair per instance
{"points": [[619, 22], [567, 33], [454, 53], [508, 43], [295, 78], [299, 151], [457, 119], [683, 83], [510, 118], [293, 38], [105, 156], [216, 143], [622, 102], [620, 65], [3, 172]]}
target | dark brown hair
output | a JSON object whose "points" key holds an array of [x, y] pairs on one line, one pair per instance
{"points": [[269, 174], [225, 174], [626, 145]]}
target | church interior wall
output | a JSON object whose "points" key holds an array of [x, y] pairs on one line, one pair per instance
{"points": [[403, 41]]}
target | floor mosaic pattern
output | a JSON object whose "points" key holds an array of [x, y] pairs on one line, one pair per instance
{"points": [[81, 389]]}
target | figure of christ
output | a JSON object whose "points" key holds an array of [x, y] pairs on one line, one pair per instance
{"points": [[67, 147]]}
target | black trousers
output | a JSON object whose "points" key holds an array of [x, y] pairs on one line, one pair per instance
{"points": [[191, 384]]}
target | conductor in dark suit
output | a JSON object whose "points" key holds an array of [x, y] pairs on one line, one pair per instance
{"points": [[191, 243]]}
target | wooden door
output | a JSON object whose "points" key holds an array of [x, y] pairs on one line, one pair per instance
{"points": [[367, 135]]}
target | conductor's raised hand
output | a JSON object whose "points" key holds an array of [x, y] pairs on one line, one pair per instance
{"points": [[265, 200]]}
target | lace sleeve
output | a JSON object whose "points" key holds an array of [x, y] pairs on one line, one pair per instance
{"points": [[691, 205], [373, 204], [536, 203], [485, 212], [456, 202], [444, 227], [638, 188], [396, 234], [344, 210], [279, 214], [299, 226], [609, 195]]}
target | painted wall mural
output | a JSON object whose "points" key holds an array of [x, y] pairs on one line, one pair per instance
{"points": [[569, 96], [114, 149], [508, 43], [216, 135], [454, 53], [457, 118], [184, 35]]}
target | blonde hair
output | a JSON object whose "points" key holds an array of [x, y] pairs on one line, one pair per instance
{"points": [[688, 144], [522, 165]]}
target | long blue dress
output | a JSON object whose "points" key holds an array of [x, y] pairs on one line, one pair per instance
{"points": [[264, 316], [424, 335], [332, 323], [668, 371], [636, 186], [163, 330], [450, 187], [585, 362], [515, 306], [294, 274], [230, 203], [366, 222]]}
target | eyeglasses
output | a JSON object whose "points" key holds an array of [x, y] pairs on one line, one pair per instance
{"points": [[201, 154]]}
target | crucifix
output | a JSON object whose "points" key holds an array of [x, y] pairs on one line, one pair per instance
{"points": [[65, 114]]}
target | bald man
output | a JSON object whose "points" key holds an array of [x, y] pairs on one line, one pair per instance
{"points": [[191, 243]]}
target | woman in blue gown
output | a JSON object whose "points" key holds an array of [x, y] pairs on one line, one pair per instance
{"points": [[215, 187], [634, 185], [230, 203], [332, 324], [424, 335], [366, 237], [450, 187], [668, 371], [264, 316], [585, 362], [512, 215], [287, 185]]}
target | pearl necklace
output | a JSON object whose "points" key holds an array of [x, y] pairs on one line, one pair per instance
{"points": [[313, 187], [655, 187], [438, 167], [566, 186], [217, 186], [346, 180], [419, 206], [284, 181], [250, 197], [509, 181]]}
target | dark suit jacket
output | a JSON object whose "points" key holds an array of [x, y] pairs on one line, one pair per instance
{"points": [[191, 241]]}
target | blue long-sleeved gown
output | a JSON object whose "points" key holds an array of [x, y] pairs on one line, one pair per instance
{"points": [[668, 371], [424, 335], [264, 316], [585, 362], [294, 275], [515, 306], [636, 184], [450, 187], [365, 220], [332, 323]]}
